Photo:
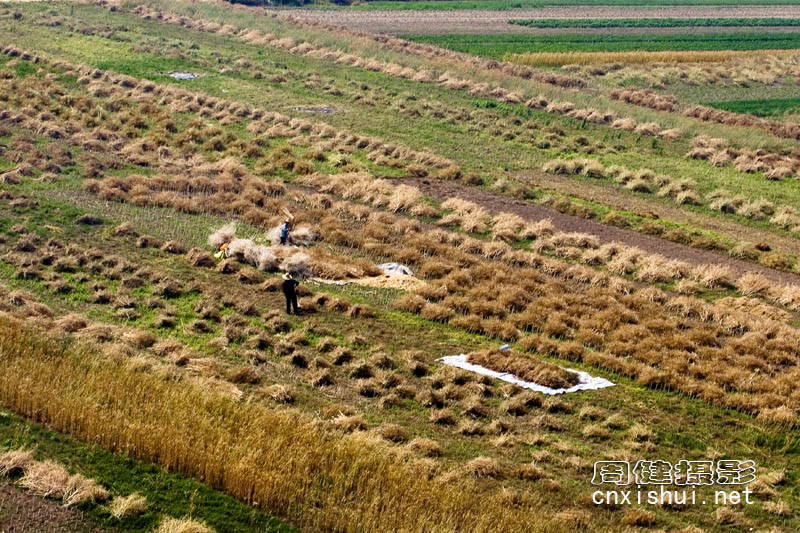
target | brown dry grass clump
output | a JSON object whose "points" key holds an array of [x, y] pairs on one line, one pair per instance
{"points": [[280, 393], [483, 467], [200, 258], [709, 114], [182, 525], [51, 480], [524, 367], [15, 462], [646, 98], [125, 506], [425, 447], [638, 518]]}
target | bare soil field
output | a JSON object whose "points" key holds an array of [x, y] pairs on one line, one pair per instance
{"points": [[22, 512], [496, 22]]}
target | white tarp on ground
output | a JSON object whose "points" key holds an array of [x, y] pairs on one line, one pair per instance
{"points": [[395, 268], [183, 75], [587, 381]]}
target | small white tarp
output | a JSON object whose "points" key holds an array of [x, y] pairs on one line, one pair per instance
{"points": [[587, 381], [183, 75], [395, 269]]}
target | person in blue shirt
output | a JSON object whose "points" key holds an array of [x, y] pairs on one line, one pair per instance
{"points": [[285, 232]]}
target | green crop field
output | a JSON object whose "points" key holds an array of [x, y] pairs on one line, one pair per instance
{"points": [[761, 108], [499, 46]]}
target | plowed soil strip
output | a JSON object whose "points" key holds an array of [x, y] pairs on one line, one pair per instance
{"points": [[22, 512], [614, 198], [496, 22], [495, 203]]}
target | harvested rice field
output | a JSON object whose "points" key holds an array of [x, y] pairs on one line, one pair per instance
{"points": [[283, 270]]}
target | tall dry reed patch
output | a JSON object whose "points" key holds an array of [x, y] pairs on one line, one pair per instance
{"points": [[740, 71], [259, 455], [557, 59], [714, 276], [377, 192]]}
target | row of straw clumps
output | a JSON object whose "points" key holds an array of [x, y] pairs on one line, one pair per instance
{"points": [[445, 79], [683, 191]]}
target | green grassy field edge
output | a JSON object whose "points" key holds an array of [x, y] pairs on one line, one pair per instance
{"points": [[765, 107], [499, 46]]}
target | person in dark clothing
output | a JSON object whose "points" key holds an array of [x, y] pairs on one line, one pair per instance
{"points": [[289, 286]]}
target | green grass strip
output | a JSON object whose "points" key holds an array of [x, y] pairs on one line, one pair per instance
{"points": [[497, 46], [768, 107]]}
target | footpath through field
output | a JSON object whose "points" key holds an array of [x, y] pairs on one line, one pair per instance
{"points": [[495, 203], [473, 21]]}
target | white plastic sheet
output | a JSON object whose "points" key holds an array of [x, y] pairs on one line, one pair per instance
{"points": [[587, 381], [183, 75]]}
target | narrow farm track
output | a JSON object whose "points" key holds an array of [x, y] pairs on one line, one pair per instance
{"points": [[496, 203], [613, 197], [496, 22]]}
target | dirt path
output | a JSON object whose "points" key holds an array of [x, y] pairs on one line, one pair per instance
{"points": [[494, 203], [496, 22], [21, 512], [617, 199]]}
